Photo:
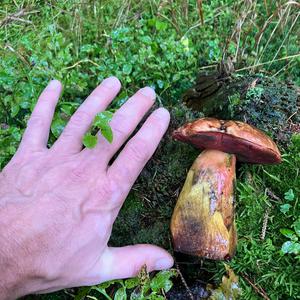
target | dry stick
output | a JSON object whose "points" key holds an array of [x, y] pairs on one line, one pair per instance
{"points": [[200, 10], [271, 35], [268, 62], [258, 36], [272, 195], [17, 16], [184, 282], [259, 290], [287, 4], [284, 68], [171, 22], [185, 9], [198, 24], [80, 62], [266, 7], [258, 65], [22, 58], [292, 26]]}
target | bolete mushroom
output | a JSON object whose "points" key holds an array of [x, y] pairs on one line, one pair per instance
{"points": [[203, 223]]}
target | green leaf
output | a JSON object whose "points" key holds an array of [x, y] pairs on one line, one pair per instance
{"points": [[106, 284], [132, 282], [104, 116], [287, 232], [101, 122], [290, 247], [289, 195], [160, 83], [89, 140], [127, 68], [296, 226], [228, 289], [162, 281], [284, 208], [58, 126], [83, 291], [68, 107], [120, 294], [159, 25], [107, 133], [102, 291], [14, 110]]}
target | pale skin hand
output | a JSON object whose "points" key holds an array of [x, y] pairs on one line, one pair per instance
{"points": [[58, 205]]}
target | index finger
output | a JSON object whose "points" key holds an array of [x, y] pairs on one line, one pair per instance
{"points": [[132, 159]]}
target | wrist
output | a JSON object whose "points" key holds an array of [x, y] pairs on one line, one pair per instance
{"points": [[15, 277]]}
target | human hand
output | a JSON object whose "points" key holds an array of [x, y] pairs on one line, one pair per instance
{"points": [[58, 205]]}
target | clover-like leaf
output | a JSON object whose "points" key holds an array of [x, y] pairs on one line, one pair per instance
{"points": [[289, 195], [284, 208], [162, 281], [89, 140], [290, 247], [127, 69]]}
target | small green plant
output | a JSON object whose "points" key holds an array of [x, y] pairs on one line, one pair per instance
{"points": [[142, 287], [292, 246], [289, 196], [254, 94], [100, 123], [234, 101], [229, 288]]}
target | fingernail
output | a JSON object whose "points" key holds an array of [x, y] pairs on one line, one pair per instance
{"points": [[54, 85], [111, 82], [162, 112], [148, 92], [164, 263]]}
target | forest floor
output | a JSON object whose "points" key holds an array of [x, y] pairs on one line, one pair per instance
{"points": [[165, 44]]}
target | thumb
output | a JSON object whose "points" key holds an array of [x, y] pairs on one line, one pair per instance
{"points": [[125, 262]]}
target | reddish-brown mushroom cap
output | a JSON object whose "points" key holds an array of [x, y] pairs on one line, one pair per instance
{"points": [[248, 143]]}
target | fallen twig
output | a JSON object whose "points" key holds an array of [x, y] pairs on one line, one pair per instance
{"points": [[268, 62], [257, 289], [18, 17], [272, 195], [200, 10], [80, 62], [184, 282]]}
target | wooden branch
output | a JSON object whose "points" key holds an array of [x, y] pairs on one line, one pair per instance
{"points": [[18, 17]]}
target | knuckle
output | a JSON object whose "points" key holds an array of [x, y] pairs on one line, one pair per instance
{"points": [[118, 126], [100, 94], [138, 150], [79, 118], [35, 121], [105, 90], [46, 96]]}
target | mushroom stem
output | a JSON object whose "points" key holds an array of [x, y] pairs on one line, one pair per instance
{"points": [[203, 219]]}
